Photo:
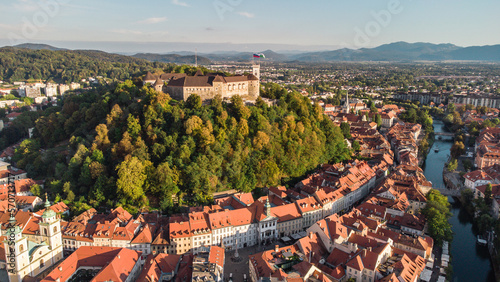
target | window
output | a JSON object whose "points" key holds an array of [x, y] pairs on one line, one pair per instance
{"points": [[42, 263], [55, 229], [21, 248]]}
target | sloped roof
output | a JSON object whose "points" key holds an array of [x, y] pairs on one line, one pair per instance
{"points": [[116, 263], [149, 77]]}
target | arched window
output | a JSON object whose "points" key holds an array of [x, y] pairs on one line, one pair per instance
{"points": [[55, 229], [42, 263], [21, 248], [45, 232]]}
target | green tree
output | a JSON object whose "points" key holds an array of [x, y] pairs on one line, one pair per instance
{"points": [[346, 130], [457, 149], [485, 223], [452, 165], [378, 120], [131, 178], [355, 146], [193, 102], [451, 108], [133, 127], [487, 194], [36, 190], [437, 213]]}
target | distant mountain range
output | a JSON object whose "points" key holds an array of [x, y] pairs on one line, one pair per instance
{"points": [[37, 46], [393, 52], [172, 58]]}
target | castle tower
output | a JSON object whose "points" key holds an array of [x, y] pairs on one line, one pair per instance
{"points": [[16, 252], [253, 86], [256, 71], [50, 228]]}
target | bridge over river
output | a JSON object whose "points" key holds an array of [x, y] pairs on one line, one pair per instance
{"points": [[444, 134], [448, 192]]}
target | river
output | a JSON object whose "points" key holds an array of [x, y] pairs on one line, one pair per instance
{"points": [[469, 260]]}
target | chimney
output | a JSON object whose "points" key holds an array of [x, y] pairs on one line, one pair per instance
{"points": [[310, 235], [364, 253], [276, 248]]}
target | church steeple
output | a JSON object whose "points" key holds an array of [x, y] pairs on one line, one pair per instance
{"points": [[347, 106], [268, 208], [16, 246], [50, 229], [48, 214]]}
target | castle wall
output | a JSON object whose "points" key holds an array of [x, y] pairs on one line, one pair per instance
{"points": [[247, 89], [254, 89], [176, 93], [235, 88], [205, 93]]}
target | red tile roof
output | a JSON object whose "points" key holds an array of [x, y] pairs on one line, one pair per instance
{"points": [[216, 256], [116, 263], [286, 212]]}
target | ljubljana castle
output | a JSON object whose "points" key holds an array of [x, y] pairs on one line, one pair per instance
{"points": [[180, 86]]}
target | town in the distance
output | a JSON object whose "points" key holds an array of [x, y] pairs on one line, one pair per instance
{"points": [[116, 168]]}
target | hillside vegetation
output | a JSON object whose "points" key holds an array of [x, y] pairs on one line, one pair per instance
{"points": [[65, 66], [133, 146]]}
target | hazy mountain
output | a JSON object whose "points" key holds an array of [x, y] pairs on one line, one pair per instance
{"points": [[37, 46], [397, 51], [172, 58], [477, 53]]}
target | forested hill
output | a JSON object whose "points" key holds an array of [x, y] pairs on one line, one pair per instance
{"points": [[64, 66], [134, 146], [173, 58]]}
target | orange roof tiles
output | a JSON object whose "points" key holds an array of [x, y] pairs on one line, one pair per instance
{"points": [[104, 230], [308, 204], [116, 263], [216, 256], [286, 212], [356, 263], [145, 235], [179, 229], [60, 207]]}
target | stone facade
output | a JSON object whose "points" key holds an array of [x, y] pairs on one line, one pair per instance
{"points": [[181, 86], [207, 87]]}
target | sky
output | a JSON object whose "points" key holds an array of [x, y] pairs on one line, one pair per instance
{"points": [[243, 25]]}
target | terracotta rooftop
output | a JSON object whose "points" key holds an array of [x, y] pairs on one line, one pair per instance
{"points": [[116, 263]]}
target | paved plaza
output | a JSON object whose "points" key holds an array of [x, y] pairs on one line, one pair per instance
{"points": [[241, 267]]}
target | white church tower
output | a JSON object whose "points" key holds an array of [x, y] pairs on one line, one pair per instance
{"points": [[347, 106], [50, 227], [16, 252]]}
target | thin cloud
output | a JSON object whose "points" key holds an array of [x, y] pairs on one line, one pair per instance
{"points": [[140, 33], [180, 3], [79, 7], [246, 15], [152, 20], [25, 5], [209, 29], [127, 31]]}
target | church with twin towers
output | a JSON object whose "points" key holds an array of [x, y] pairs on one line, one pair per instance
{"points": [[180, 86]]}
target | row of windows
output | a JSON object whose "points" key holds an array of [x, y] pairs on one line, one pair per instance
{"points": [[266, 225]]}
